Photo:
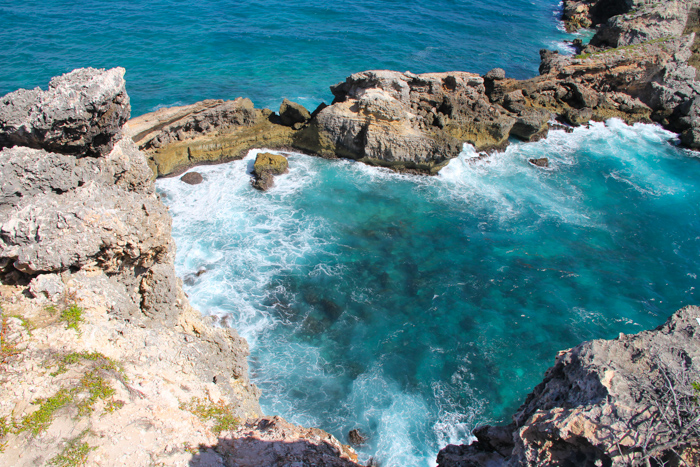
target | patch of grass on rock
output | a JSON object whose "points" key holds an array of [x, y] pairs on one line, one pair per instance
{"points": [[74, 454], [72, 316], [208, 411]]}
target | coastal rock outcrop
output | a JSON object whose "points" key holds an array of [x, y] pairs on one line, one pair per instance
{"points": [[266, 166], [615, 402], [81, 113], [101, 347], [177, 138]]}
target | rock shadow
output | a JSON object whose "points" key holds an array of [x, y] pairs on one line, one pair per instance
{"points": [[272, 441]]}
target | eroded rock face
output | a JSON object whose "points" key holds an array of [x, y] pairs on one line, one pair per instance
{"points": [[407, 121], [81, 113], [605, 402]]}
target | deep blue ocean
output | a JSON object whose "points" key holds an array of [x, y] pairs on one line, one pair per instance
{"points": [[411, 308]]}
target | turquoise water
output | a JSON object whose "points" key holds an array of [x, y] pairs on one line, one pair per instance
{"points": [[182, 52], [414, 308]]}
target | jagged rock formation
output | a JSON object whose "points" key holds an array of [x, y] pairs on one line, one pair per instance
{"points": [[415, 122], [116, 360], [605, 402], [81, 113]]}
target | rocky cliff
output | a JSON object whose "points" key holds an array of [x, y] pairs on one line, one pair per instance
{"points": [[103, 360], [627, 401]]}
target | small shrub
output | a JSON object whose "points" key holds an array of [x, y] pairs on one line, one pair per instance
{"points": [[74, 454], [97, 388], [72, 316], [39, 420]]}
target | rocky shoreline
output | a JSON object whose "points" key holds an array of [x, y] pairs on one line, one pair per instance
{"points": [[639, 68], [103, 358]]}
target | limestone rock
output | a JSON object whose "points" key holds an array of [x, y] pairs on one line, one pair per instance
{"points": [[654, 21], [192, 178], [81, 113], [175, 139], [173, 124], [48, 286], [27, 172], [291, 113], [604, 402], [496, 74], [266, 166]]}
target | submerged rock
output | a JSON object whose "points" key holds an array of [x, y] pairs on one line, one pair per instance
{"points": [[605, 402]]}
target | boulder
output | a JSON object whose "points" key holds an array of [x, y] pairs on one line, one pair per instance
{"points": [[192, 178], [81, 113], [291, 113], [266, 166], [356, 438], [495, 74], [49, 286], [577, 117], [273, 163], [531, 125]]}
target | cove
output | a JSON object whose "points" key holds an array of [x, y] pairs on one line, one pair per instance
{"points": [[414, 308]]}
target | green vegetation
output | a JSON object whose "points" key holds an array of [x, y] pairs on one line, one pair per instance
{"points": [[113, 405], [5, 428], [39, 420], [75, 453], [623, 48], [97, 389], [206, 410], [92, 386], [72, 316], [101, 363]]}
